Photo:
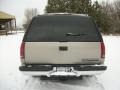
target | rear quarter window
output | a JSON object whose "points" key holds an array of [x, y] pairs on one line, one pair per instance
{"points": [[55, 28]]}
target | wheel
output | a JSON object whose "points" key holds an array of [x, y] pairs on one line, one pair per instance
{"points": [[62, 78], [44, 78]]}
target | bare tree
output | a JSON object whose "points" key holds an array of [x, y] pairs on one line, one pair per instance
{"points": [[117, 7], [29, 14], [112, 10], [117, 16]]}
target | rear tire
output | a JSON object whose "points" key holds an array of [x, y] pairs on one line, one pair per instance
{"points": [[62, 78], [44, 78]]}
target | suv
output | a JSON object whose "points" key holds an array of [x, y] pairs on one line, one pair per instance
{"points": [[62, 45]]}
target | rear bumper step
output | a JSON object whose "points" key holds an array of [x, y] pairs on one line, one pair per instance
{"points": [[49, 70], [90, 68], [36, 68]]}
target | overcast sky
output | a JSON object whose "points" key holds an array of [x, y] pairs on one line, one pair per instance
{"points": [[17, 7]]}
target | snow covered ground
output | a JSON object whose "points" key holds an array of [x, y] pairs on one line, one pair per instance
{"points": [[12, 79]]}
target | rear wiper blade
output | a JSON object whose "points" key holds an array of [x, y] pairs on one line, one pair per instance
{"points": [[78, 34]]}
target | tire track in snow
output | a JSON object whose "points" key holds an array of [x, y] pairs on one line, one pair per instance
{"points": [[87, 83]]}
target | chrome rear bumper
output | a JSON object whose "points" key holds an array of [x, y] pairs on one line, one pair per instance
{"points": [[48, 70]]}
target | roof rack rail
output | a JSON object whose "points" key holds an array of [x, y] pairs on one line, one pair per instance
{"points": [[57, 13], [66, 14]]}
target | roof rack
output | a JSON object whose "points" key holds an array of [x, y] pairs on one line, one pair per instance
{"points": [[66, 14]]}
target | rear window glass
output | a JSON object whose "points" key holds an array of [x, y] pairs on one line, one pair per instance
{"points": [[56, 28]]}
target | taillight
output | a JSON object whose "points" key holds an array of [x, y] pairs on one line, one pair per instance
{"points": [[102, 50], [22, 50]]}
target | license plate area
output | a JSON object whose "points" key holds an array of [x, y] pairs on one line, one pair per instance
{"points": [[63, 69]]}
